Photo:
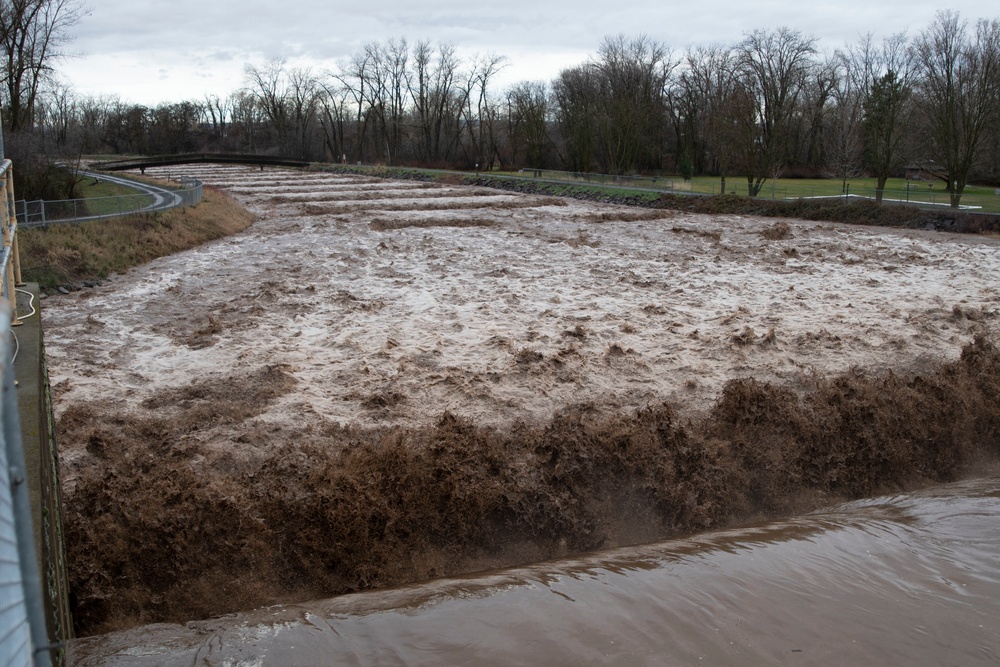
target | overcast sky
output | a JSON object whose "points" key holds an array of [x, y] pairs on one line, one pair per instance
{"points": [[149, 53]]}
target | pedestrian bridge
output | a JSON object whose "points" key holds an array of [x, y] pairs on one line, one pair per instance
{"points": [[141, 163]]}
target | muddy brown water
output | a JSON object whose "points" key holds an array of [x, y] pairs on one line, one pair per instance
{"points": [[897, 580], [330, 372]]}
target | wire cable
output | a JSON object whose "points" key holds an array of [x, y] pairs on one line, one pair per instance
{"points": [[31, 304]]}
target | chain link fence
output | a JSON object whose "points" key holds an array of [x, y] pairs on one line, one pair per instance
{"points": [[24, 637], [41, 212]]}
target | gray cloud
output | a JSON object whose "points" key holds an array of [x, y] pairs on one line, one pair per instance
{"points": [[224, 34]]}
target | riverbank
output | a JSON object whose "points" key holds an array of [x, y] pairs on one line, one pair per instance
{"points": [[74, 256]]}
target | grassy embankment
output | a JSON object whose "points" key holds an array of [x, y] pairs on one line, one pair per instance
{"points": [[103, 197], [68, 254], [898, 190]]}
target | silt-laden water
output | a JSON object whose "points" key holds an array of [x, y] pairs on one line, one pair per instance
{"points": [[903, 580]]}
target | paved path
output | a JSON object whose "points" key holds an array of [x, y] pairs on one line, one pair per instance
{"points": [[163, 198]]}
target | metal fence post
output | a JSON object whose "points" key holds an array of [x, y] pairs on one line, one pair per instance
{"points": [[9, 224]]}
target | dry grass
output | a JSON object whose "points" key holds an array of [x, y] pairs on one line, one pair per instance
{"points": [[67, 254]]}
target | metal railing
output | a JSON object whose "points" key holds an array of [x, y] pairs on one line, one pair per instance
{"points": [[40, 213], [10, 260], [23, 632]]}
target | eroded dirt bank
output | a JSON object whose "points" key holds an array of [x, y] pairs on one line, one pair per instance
{"points": [[381, 382]]}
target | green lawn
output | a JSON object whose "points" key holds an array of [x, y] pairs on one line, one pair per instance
{"points": [[896, 188], [89, 188], [103, 197]]}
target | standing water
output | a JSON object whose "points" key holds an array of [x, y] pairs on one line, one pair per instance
{"points": [[903, 580]]}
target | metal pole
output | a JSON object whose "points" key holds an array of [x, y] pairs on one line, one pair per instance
{"points": [[9, 229]]}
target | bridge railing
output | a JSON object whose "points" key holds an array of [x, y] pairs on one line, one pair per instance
{"points": [[41, 212], [23, 632], [197, 158]]}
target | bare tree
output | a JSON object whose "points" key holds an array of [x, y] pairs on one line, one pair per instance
{"points": [[31, 34], [844, 148], [267, 87], [481, 109], [218, 111], [772, 67], [377, 80], [390, 99], [174, 128], [92, 115], [246, 126], [126, 127], [816, 107], [527, 124], [614, 109], [333, 115], [290, 100], [354, 79], [303, 100], [576, 94], [633, 74], [877, 79], [437, 101], [959, 91], [710, 99], [58, 113], [686, 107]]}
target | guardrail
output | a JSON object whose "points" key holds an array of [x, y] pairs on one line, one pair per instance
{"points": [[23, 631], [40, 213]]}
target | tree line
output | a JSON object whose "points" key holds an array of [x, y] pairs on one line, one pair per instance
{"points": [[767, 106]]}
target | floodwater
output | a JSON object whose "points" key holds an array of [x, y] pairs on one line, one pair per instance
{"points": [[393, 302], [390, 303], [214, 402], [904, 580]]}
